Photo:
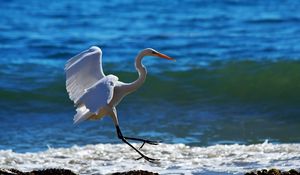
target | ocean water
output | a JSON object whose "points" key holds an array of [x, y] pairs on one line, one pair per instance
{"points": [[235, 84]]}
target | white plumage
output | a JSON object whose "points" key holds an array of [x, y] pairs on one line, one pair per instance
{"points": [[96, 95], [99, 94], [86, 83], [83, 71]]}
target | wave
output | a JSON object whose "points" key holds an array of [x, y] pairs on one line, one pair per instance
{"points": [[270, 20], [243, 82], [174, 158]]}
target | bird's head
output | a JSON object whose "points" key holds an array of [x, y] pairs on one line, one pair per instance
{"points": [[152, 52], [94, 48]]}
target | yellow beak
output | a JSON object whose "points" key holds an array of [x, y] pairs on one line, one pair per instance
{"points": [[164, 56]]}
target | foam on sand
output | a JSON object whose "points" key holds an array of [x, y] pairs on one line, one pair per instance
{"points": [[174, 158]]}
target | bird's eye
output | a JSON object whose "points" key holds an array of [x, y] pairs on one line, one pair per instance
{"points": [[153, 52]]}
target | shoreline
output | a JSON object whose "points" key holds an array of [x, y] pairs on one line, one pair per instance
{"points": [[54, 171], [174, 158]]}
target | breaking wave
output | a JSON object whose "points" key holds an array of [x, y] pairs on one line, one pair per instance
{"points": [[174, 158]]}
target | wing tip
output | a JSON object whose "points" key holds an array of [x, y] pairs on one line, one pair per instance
{"points": [[74, 59], [95, 48]]}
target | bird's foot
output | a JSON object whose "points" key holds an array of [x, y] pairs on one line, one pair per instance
{"points": [[151, 160], [151, 142], [124, 139]]}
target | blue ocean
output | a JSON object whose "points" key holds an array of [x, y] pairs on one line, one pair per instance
{"points": [[230, 103]]}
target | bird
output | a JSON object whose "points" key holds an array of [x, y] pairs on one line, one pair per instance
{"points": [[96, 95]]}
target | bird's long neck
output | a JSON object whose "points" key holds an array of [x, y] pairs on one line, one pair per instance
{"points": [[142, 74], [125, 88]]}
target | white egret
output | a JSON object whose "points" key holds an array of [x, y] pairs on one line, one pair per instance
{"points": [[96, 95]]}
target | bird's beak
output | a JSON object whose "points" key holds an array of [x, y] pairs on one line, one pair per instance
{"points": [[164, 56]]}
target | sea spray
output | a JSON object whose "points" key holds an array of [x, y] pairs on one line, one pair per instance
{"points": [[174, 158]]}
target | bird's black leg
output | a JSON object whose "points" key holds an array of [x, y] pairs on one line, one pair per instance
{"points": [[120, 136]]}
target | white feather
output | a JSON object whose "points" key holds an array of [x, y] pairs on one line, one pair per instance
{"points": [[95, 98], [82, 114], [100, 94], [87, 85], [83, 71]]}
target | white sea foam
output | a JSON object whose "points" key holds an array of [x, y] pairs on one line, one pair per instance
{"points": [[174, 158]]}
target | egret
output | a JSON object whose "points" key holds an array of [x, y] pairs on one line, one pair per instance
{"points": [[96, 95]]}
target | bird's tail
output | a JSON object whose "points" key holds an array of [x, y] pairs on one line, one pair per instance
{"points": [[82, 114]]}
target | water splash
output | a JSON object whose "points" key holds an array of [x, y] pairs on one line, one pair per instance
{"points": [[174, 158]]}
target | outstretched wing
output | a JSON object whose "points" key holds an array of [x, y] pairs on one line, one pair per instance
{"points": [[95, 97], [83, 71]]}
